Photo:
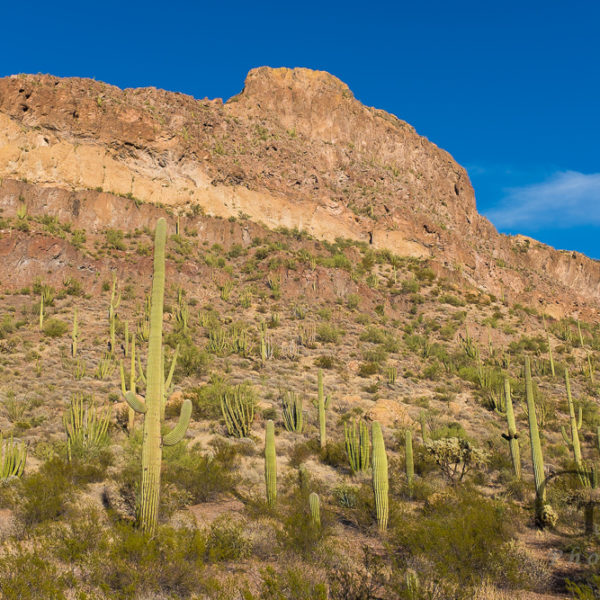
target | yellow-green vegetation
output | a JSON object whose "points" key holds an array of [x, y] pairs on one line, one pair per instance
{"points": [[314, 420]]}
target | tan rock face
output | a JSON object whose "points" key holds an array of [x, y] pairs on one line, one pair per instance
{"points": [[293, 149], [390, 413]]}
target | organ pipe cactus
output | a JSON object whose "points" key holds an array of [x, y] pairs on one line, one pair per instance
{"points": [[151, 407], [13, 456], [511, 436], [357, 445], [544, 515], [575, 424], [380, 477], [315, 509], [270, 464], [237, 408], [410, 463], [292, 412], [86, 427]]}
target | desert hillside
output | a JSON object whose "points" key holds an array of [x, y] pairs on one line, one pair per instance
{"points": [[268, 348]]}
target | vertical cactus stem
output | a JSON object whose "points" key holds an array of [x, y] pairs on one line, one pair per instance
{"points": [[536, 446], [574, 422], [410, 464], [321, 407], [270, 464], [132, 384], [512, 436], [549, 348], [42, 311], [424, 432], [380, 477], [74, 335], [151, 438], [315, 509], [126, 339]]}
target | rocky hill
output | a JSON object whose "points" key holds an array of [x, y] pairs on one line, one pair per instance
{"points": [[294, 149], [327, 272]]}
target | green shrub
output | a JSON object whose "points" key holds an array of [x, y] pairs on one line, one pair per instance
{"points": [[328, 333], [226, 541], [55, 328]]}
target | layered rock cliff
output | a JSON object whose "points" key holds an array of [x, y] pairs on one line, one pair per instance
{"points": [[293, 149]]}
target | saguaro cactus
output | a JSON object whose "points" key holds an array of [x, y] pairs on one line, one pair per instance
{"points": [[151, 407], [74, 335], [322, 405], [410, 464], [544, 515], [132, 381], [575, 423], [511, 436], [315, 509], [380, 477], [270, 464], [357, 445]]}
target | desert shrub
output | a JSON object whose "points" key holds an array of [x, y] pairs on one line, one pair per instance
{"points": [[367, 369], [45, 493], [456, 457], [207, 398], [203, 476], [291, 583], [457, 540], [191, 360], [328, 333], [334, 454], [55, 328], [132, 565], [226, 541], [301, 451], [373, 335], [353, 301], [25, 575], [114, 239], [325, 361]]}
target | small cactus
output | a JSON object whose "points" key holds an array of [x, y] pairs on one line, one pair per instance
{"points": [[86, 428], [270, 464], [315, 510], [13, 456], [237, 408], [380, 477]]}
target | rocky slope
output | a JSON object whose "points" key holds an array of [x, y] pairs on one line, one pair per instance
{"points": [[293, 149]]}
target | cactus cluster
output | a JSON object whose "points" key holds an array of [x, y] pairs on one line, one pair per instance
{"points": [[86, 426], [357, 445], [13, 456], [237, 407], [291, 405], [152, 407]]}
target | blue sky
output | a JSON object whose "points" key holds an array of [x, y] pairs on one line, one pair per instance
{"points": [[510, 89]]}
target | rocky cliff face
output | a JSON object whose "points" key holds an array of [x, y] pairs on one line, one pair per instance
{"points": [[293, 149]]}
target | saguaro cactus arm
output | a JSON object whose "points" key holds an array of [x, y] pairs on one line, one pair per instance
{"points": [[176, 434], [136, 402]]}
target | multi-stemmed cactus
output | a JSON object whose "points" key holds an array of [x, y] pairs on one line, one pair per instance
{"points": [[380, 477], [291, 405], [237, 408], [152, 406], [315, 510], [544, 514], [575, 424], [410, 462], [322, 405], [270, 464], [86, 427], [357, 445], [511, 436], [13, 456]]}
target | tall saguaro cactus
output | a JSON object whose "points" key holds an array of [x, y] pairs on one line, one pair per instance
{"points": [[270, 464], [410, 462], [151, 407], [380, 477], [511, 436], [544, 515], [322, 405], [132, 380], [575, 423]]}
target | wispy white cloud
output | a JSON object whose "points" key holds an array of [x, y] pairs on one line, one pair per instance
{"points": [[566, 199]]}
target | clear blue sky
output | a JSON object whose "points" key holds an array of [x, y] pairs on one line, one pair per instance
{"points": [[511, 89]]}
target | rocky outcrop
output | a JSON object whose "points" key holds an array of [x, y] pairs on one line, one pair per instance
{"points": [[293, 149]]}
